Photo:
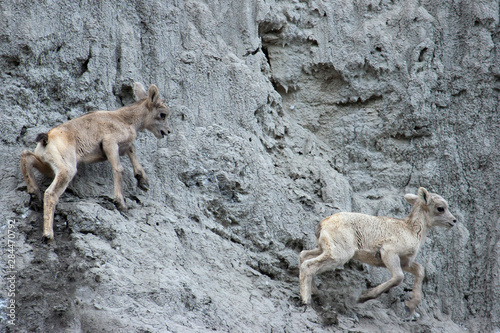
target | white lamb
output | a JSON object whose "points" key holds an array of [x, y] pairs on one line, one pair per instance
{"points": [[378, 241]]}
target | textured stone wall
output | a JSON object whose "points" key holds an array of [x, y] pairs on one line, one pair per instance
{"points": [[282, 113]]}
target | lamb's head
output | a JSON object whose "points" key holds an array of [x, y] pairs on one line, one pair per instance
{"points": [[156, 119], [433, 206]]}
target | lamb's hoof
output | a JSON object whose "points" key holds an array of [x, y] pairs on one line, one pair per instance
{"points": [[407, 311], [48, 239], [305, 306], [329, 318], [411, 315], [36, 203], [120, 206], [143, 186], [303, 303], [142, 183], [364, 297]]}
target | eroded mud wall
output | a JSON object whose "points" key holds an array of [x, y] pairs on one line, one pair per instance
{"points": [[283, 112]]}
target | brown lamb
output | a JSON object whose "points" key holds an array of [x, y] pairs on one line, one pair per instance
{"points": [[93, 137]]}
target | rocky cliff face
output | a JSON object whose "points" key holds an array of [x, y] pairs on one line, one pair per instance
{"points": [[283, 112]]}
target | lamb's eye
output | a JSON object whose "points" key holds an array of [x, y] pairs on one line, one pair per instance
{"points": [[440, 209], [163, 116]]}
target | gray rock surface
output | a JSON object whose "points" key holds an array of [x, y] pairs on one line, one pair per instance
{"points": [[283, 112]]}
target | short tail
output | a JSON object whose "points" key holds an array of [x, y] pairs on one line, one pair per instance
{"points": [[317, 231], [43, 138]]}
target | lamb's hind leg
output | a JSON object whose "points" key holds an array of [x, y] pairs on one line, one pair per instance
{"points": [[330, 258], [306, 255], [418, 271], [308, 269], [309, 254], [63, 176], [28, 161], [392, 262]]}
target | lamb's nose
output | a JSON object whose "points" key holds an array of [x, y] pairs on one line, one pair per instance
{"points": [[455, 221]]}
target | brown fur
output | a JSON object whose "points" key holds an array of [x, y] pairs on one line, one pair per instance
{"points": [[378, 241], [93, 137]]}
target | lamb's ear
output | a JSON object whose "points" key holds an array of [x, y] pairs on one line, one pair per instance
{"points": [[423, 195], [153, 95], [139, 91], [411, 198]]}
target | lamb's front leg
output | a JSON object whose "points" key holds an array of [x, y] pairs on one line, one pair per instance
{"points": [[419, 272], [111, 149], [392, 262], [139, 174]]}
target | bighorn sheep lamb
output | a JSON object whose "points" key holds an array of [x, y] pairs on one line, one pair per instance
{"points": [[93, 137], [378, 241]]}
